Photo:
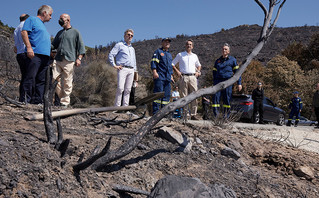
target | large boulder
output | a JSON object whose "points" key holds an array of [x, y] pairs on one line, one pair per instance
{"points": [[187, 187]]}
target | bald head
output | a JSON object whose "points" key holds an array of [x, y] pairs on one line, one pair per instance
{"points": [[64, 21]]}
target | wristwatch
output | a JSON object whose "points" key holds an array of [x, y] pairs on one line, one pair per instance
{"points": [[80, 59]]}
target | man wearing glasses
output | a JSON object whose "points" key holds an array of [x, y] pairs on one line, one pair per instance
{"points": [[122, 58]]}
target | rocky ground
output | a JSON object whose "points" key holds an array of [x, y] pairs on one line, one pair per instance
{"points": [[30, 167]]}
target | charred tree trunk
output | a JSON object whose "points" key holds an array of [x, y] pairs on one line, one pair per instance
{"points": [[47, 110], [127, 147]]}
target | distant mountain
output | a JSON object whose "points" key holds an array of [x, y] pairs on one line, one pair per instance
{"points": [[207, 46], [242, 39]]}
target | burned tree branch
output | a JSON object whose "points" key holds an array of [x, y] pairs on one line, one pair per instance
{"points": [[18, 104], [93, 158], [128, 189], [47, 110], [128, 146], [109, 122]]}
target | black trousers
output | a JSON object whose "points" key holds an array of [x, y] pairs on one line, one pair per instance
{"points": [[34, 81], [317, 114], [259, 107], [22, 61]]}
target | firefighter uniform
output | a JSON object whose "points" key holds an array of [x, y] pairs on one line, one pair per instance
{"points": [[162, 62], [224, 69], [295, 105]]}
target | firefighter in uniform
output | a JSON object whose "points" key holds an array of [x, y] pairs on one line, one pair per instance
{"points": [[224, 68], [295, 106], [161, 65]]}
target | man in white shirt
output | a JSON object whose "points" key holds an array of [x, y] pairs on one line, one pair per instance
{"points": [[189, 70]]}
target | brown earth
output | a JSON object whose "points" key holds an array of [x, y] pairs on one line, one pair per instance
{"points": [[30, 167]]}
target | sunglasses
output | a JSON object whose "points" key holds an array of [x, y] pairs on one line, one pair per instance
{"points": [[130, 35]]}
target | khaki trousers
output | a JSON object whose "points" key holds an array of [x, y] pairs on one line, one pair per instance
{"points": [[187, 85], [64, 87]]}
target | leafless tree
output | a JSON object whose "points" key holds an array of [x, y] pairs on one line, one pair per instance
{"points": [[112, 155]]}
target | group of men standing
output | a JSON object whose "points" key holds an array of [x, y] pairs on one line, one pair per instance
{"points": [[34, 51], [163, 65]]}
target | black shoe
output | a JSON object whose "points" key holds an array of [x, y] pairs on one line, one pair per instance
{"points": [[194, 118], [261, 123]]}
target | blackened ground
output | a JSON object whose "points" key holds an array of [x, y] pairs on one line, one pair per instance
{"points": [[29, 167]]}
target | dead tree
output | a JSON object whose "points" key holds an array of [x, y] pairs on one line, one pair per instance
{"points": [[127, 147]]}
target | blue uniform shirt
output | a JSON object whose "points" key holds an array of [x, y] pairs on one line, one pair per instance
{"points": [[295, 103], [162, 62], [38, 35], [224, 69]]}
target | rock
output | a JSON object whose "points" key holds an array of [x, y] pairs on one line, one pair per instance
{"points": [[174, 137], [230, 153], [220, 191], [304, 171], [198, 141], [187, 187]]}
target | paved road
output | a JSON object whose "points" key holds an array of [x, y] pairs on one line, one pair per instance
{"points": [[302, 137]]}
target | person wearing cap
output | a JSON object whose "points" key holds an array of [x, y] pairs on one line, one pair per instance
{"points": [[161, 66], [189, 70], [295, 105], [19, 47], [122, 58], [224, 69], [258, 97]]}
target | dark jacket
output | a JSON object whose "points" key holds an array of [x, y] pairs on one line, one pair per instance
{"points": [[162, 62], [295, 103], [315, 100], [258, 95]]}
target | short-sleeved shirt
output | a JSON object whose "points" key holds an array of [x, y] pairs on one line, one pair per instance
{"points": [[123, 54], [18, 42], [175, 94], [69, 44], [38, 35], [187, 62]]}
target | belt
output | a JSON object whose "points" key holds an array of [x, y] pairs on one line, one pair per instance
{"points": [[188, 74], [128, 67]]}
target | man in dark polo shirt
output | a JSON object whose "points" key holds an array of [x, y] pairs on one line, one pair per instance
{"points": [[70, 51]]}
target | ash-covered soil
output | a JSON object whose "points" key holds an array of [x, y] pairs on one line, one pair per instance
{"points": [[30, 167]]}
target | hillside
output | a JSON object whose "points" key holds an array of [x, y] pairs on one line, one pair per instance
{"points": [[242, 40]]}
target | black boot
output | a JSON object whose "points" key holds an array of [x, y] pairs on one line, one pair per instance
{"points": [[289, 123], [296, 123]]}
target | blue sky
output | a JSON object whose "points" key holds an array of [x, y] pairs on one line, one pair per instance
{"points": [[103, 21]]}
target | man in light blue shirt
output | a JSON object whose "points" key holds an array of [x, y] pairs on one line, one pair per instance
{"points": [[122, 57], [38, 46], [19, 48]]}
